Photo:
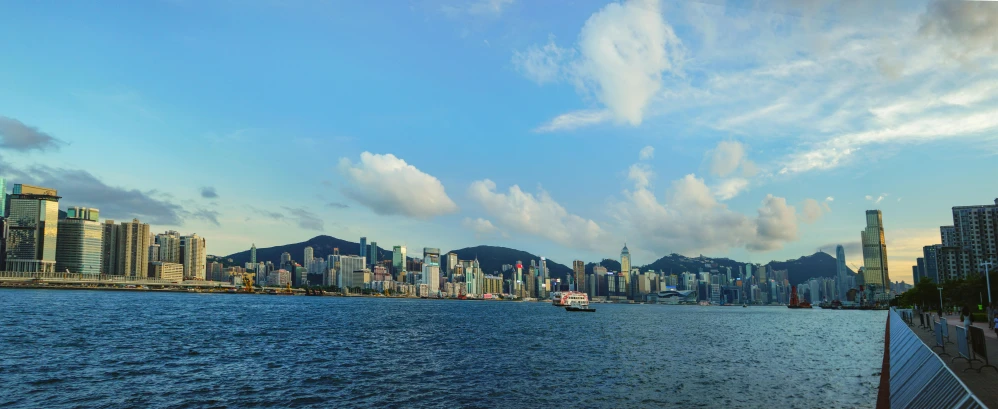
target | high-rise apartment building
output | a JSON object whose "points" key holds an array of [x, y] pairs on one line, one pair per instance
{"points": [[309, 257], [169, 246], [875, 272], [579, 271], [194, 256], [931, 256], [253, 253], [948, 236], [133, 249], [976, 231], [81, 237], [33, 229]]}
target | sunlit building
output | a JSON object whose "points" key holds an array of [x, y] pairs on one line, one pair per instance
{"points": [[78, 249], [33, 226], [875, 272]]}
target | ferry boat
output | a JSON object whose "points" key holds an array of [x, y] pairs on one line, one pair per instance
{"points": [[575, 301], [566, 298]]}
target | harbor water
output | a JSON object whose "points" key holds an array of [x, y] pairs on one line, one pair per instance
{"points": [[69, 348]]}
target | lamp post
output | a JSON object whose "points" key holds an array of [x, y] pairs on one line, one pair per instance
{"points": [[940, 288], [987, 266]]}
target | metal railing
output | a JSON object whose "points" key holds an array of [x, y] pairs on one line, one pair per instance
{"points": [[918, 377]]}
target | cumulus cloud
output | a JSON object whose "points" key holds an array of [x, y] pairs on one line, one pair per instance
{"points": [[390, 186], [813, 210], [538, 215], [729, 188], [622, 54], [15, 135], [728, 157], [647, 152], [480, 226], [829, 199], [640, 174], [208, 192], [690, 219]]}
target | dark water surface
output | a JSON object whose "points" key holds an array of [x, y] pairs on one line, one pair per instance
{"points": [[131, 349]]}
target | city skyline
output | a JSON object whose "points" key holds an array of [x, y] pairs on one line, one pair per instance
{"points": [[684, 159]]}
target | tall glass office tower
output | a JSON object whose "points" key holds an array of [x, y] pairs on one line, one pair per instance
{"points": [[875, 275], [80, 244], [33, 229]]}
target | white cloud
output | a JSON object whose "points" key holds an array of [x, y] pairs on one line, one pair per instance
{"points": [[542, 64], [726, 158], [388, 185], [876, 200], [829, 199], [813, 210], [640, 174], [623, 51], [480, 226], [647, 152], [538, 215], [690, 219], [729, 188], [573, 120]]}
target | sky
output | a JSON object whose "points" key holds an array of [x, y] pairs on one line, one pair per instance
{"points": [[752, 130]]}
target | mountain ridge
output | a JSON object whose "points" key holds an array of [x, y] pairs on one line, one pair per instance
{"points": [[491, 259]]}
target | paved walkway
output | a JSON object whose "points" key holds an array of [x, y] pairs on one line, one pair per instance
{"points": [[984, 384]]}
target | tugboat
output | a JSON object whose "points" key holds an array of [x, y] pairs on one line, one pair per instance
{"points": [[795, 303]]}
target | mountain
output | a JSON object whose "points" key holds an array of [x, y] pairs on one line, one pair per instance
{"points": [[819, 264], [491, 258], [322, 246]]}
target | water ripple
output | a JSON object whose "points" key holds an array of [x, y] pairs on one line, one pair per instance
{"points": [[120, 349]]}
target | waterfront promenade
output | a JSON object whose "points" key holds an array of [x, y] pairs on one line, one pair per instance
{"points": [[985, 384]]}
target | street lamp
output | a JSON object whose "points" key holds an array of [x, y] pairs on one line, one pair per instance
{"points": [[940, 288], [987, 266]]}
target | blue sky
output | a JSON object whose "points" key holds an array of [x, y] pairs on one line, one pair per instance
{"points": [[757, 131]]}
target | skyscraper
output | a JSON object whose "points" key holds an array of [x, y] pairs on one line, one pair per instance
{"points": [[253, 253], [78, 249], [194, 256], [109, 248], [309, 256], [133, 249], [33, 228], [372, 253], [363, 247], [840, 276], [948, 236], [579, 271], [875, 273], [930, 254], [398, 260], [625, 266], [3, 197]]}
